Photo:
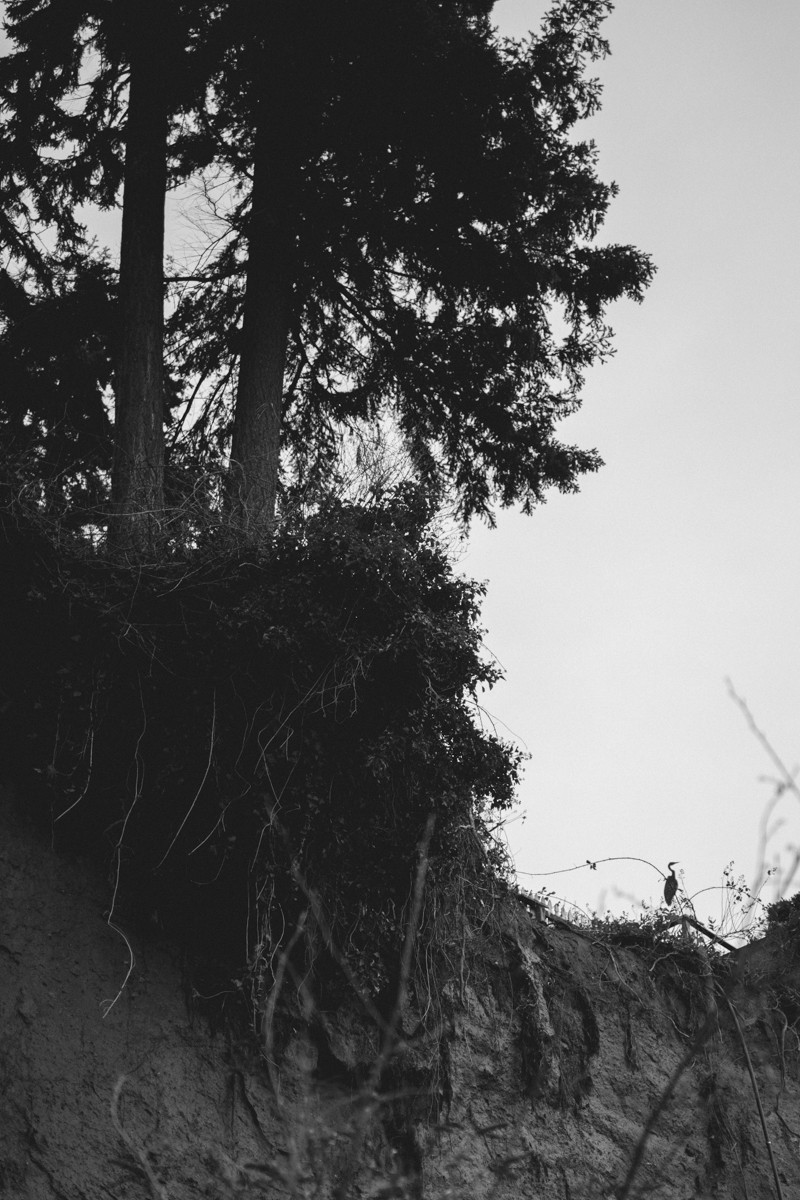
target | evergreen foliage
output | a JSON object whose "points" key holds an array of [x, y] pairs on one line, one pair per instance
{"points": [[433, 212], [56, 367], [407, 216]]}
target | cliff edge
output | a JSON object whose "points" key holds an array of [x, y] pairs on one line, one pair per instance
{"points": [[552, 1064]]}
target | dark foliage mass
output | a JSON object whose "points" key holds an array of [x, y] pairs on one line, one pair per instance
{"points": [[236, 707], [211, 723], [55, 367], [785, 913], [437, 210], [423, 240]]}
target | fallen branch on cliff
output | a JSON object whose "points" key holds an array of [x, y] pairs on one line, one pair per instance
{"points": [[542, 913], [685, 920]]}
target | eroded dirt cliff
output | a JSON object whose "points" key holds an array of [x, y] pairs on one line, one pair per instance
{"points": [[532, 1072]]}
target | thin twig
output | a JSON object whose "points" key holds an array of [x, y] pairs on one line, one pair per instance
{"points": [[412, 928], [788, 777], [202, 782], [269, 1013], [390, 1031], [592, 864], [698, 1041], [107, 1005], [757, 1094], [135, 1151], [786, 783], [339, 958], [85, 789]]}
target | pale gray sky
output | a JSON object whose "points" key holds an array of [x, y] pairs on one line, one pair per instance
{"points": [[619, 612]]}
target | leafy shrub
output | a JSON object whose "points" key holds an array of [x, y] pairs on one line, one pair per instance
{"points": [[221, 727], [784, 913]]}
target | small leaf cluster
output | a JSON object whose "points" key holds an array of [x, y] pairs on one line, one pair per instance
{"points": [[784, 913]]}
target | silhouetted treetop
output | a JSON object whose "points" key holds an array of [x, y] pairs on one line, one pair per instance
{"points": [[405, 223]]}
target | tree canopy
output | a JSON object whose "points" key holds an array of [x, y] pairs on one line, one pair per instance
{"points": [[407, 225]]}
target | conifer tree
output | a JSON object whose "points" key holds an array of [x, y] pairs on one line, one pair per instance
{"points": [[55, 368], [413, 208], [138, 475], [87, 95], [413, 224]]}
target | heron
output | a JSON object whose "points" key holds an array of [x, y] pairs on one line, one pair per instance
{"points": [[671, 883]]}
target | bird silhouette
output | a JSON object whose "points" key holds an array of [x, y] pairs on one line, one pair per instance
{"points": [[671, 883]]}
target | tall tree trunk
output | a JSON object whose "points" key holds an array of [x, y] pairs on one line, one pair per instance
{"points": [[138, 472], [255, 448]]}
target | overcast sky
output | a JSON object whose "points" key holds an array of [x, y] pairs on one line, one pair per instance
{"points": [[618, 613]]}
